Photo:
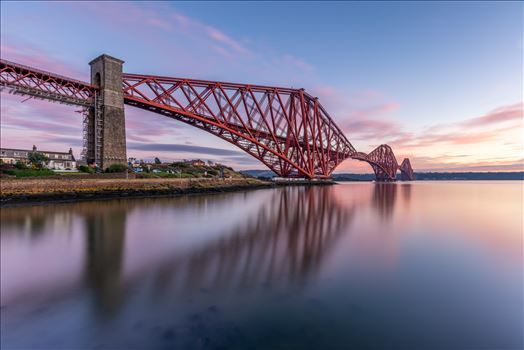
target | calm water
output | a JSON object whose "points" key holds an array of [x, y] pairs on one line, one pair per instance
{"points": [[360, 265]]}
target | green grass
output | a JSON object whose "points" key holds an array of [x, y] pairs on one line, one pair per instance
{"points": [[30, 172]]}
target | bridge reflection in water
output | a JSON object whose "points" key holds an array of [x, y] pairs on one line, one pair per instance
{"points": [[283, 241], [291, 268], [105, 238]]}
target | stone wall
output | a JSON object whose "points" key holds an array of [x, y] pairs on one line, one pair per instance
{"points": [[106, 72]]}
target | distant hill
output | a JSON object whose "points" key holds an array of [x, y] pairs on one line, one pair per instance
{"points": [[516, 175]]}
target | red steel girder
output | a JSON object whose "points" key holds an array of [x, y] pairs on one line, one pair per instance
{"points": [[383, 162], [40, 84], [286, 129], [406, 171]]}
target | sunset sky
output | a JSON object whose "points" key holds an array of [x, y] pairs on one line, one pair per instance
{"points": [[441, 82]]}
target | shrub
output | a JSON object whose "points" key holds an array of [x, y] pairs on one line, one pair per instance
{"points": [[86, 169], [20, 165], [116, 168]]}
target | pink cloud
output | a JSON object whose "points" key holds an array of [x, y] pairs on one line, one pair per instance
{"points": [[374, 110], [371, 121], [465, 137], [364, 124], [370, 128], [48, 125], [499, 115], [158, 26], [224, 42], [25, 53], [325, 91], [451, 163], [224, 39], [159, 23], [167, 20], [362, 116], [297, 62], [463, 133]]}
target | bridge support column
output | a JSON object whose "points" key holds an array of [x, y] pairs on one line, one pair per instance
{"points": [[106, 136]]}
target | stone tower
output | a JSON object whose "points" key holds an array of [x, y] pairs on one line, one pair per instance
{"points": [[106, 140]]}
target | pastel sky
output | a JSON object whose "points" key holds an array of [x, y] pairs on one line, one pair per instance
{"points": [[441, 82]]}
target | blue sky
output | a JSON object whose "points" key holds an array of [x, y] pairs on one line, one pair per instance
{"points": [[442, 82]]}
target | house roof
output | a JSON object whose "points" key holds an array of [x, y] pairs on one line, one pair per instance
{"points": [[39, 151], [30, 150]]}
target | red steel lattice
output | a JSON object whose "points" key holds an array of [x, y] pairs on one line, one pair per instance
{"points": [[41, 84], [286, 129], [406, 171], [383, 162]]}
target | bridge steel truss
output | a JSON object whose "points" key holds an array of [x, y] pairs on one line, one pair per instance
{"points": [[286, 129], [384, 164], [406, 171], [37, 83]]}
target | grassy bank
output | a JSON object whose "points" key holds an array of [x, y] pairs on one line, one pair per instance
{"points": [[19, 191], [30, 191]]}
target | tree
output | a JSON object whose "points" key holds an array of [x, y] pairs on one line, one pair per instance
{"points": [[157, 161], [37, 159]]}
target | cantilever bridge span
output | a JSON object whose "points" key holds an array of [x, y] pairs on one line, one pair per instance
{"points": [[286, 129]]}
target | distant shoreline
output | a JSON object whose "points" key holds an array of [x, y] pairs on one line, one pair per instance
{"points": [[421, 176], [427, 180]]}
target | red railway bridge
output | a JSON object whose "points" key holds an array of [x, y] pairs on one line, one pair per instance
{"points": [[286, 129]]}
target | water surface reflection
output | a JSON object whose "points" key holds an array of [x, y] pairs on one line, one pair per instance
{"points": [[239, 270]]}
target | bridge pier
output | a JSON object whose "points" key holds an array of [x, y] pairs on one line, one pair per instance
{"points": [[106, 133]]}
